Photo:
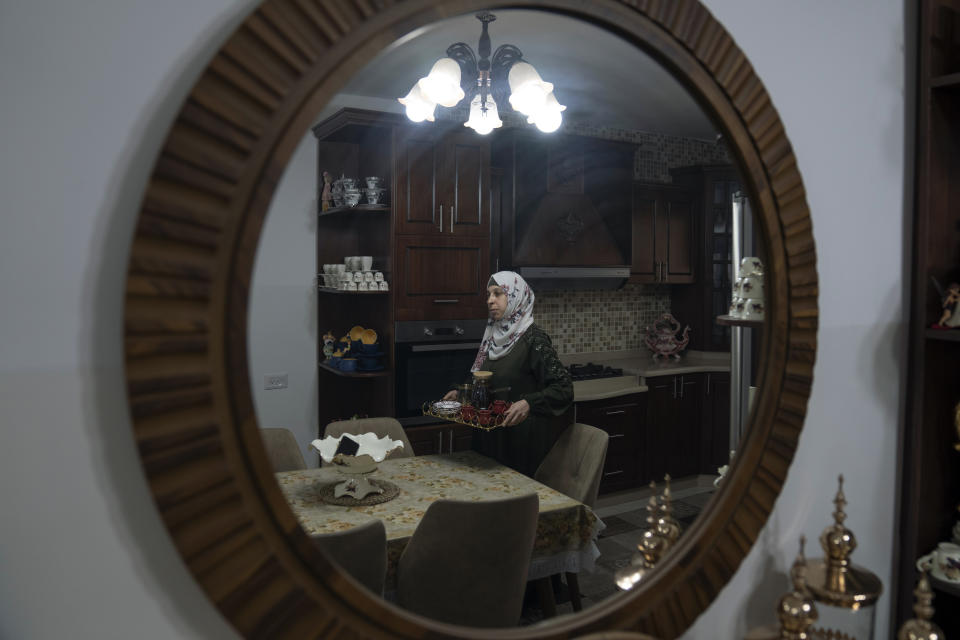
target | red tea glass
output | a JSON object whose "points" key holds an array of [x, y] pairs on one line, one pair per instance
{"points": [[499, 406], [484, 416], [468, 412]]}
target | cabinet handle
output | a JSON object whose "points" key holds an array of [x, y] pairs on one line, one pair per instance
{"points": [[681, 387], [613, 473], [659, 270], [674, 387], [452, 210], [447, 301], [441, 217], [615, 413], [440, 442], [450, 437], [708, 384], [666, 270], [617, 435]]}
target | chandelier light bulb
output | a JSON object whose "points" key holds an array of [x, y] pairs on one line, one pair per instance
{"points": [[442, 84], [480, 122], [528, 91], [548, 119], [418, 107]]}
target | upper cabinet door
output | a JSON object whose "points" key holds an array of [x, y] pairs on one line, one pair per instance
{"points": [[442, 184], [663, 243], [678, 245], [463, 184], [416, 206]]}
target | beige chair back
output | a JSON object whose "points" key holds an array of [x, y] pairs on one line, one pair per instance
{"points": [[390, 427], [282, 449], [574, 465], [467, 562], [361, 552]]}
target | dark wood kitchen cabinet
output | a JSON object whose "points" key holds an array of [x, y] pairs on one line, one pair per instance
{"points": [[439, 438], [713, 187], [443, 183], [442, 225], [715, 439], [624, 420], [662, 234], [566, 200], [674, 425]]}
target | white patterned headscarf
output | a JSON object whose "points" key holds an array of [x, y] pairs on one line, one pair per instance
{"points": [[502, 334]]}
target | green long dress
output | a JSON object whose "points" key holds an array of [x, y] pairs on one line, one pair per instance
{"points": [[534, 373]]}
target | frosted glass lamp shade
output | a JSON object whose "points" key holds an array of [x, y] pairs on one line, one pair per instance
{"points": [[442, 84], [483, 123], [418, 107], [548, 118], [528, 91]]}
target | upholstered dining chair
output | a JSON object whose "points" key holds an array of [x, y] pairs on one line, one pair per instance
{"points": [[574, 467], [361, 552], [282, 449], [381, 426], [467, 562]]}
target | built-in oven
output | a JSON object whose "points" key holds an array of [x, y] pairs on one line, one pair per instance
{"points": [[431, 358]]}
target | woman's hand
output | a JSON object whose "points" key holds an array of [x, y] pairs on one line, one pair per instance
{"points": [[451, 395], [517, 413]]}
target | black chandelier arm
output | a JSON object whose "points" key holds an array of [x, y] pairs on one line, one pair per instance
{"points": [[463, 54]]}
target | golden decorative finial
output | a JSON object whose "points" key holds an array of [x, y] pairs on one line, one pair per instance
{"points": [[653, 544], [921, 627], [834, 580], [667, 525], [796, 610]]}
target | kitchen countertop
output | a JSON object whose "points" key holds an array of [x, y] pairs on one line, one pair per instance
{"points": [[638, 365]]}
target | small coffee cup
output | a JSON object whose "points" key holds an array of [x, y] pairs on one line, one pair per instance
{"points": [[362, 286], [368, 276], [366, 263], [751, 287], [947, 561], [384, 286], [753, 309], [378, 276], [750, 266], [351, 286], [358, 276]]}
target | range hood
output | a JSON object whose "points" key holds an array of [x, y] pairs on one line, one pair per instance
{"points": [[575, 278]]}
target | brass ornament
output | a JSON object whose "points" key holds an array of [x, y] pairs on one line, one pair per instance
{"points": [[652, 546], [796, 610], [667, 525], [834, 580], [921, 627]]}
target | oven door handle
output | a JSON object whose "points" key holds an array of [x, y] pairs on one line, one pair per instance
{"points": [[445, 347]]}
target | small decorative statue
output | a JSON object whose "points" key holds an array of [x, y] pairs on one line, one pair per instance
{"points": [[950, 301], [328, 341], [662, 338], [326, 196]]}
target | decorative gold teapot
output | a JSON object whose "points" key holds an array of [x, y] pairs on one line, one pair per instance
{"points": [[663, 338]]}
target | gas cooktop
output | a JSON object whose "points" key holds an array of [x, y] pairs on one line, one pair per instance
{"points": [[592, 371]]}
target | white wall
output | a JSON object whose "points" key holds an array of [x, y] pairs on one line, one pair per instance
{"points": [[88, 91]]}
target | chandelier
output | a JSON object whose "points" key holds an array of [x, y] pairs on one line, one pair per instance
{"points": [[487, 84]]}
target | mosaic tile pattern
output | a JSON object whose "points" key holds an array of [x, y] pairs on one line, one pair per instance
{"points": [[588, 321]]}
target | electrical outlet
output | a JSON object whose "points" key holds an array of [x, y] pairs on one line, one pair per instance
{"points": [[275, 381]]}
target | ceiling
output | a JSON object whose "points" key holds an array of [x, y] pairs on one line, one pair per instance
{"points": [[603, 80]]}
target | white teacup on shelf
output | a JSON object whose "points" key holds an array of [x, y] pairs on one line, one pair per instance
{"points": [[378, 276], [351, 286], [362, 286], [368, 276], [947, 561], [339, 269], [366, 263], [751, 287], [384, 286], [752, 309], [735, 305], [750, 266]]}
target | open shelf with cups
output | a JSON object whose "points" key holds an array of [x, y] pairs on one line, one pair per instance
{"points": [[355, 237]]}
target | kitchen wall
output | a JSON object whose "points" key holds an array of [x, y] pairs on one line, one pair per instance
{"points": [[89, 91]]}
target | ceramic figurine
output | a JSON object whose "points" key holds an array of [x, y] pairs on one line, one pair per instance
{"points": [[664, 338], [328, 347], [326, 196], [950, 301]]}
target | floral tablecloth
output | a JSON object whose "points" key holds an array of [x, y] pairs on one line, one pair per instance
{"points": [[566, 530]]}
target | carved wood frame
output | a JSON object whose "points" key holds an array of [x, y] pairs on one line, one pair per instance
{"points": [[187, 293]]}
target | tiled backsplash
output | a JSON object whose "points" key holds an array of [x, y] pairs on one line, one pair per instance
{"points": [[588, 321]]}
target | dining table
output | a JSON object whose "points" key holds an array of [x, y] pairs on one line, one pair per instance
{"points": [[567, 530]]}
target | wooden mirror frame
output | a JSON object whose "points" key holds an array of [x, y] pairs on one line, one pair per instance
{"points": [[186, 312]]}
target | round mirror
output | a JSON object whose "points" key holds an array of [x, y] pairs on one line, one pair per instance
{"points": [[642, 157], [227, 164]]}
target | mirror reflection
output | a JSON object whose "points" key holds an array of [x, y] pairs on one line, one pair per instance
{"points": [[537, 298]]}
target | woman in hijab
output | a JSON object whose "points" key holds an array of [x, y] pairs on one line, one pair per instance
{"points": [[521, 357]]}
